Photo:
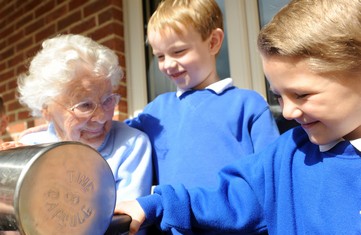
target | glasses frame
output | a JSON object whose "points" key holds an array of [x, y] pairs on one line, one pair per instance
{"points": [[80, 114]]}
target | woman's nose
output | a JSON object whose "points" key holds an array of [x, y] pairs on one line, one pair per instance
{"points": [[99, 114]]}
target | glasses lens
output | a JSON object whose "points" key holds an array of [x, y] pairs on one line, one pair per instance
{"points": [[84, 108], [110, 102]]}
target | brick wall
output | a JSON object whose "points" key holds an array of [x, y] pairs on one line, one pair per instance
{"points": [[24, 24]]}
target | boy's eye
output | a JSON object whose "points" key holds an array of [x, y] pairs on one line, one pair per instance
{"points": [[160, 57], [179, 51], [301, 96]]}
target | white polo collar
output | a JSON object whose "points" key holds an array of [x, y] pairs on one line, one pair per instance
{"points": [[217, 87], [356, 143]]}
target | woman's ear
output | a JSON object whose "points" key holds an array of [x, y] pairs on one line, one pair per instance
{"points": [[216, 40], [46, 114]]}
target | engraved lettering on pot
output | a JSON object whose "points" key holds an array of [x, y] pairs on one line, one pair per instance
{"points": [[83, 180], [72, 198], [81, 216], [53, 194], [69, 218], [65, 205]]}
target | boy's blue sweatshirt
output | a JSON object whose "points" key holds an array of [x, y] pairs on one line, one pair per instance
{"points": [[195, 135], [290, 188]]}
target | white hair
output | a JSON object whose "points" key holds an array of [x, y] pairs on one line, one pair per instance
{"points": [[57, 64]]}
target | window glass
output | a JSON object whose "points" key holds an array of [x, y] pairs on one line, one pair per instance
{"points": [[267, 9]]}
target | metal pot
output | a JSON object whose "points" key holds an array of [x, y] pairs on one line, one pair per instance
{"points": [[60, 188]]}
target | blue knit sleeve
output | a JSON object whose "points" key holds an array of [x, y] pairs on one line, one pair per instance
{"points": [[233, 207]]}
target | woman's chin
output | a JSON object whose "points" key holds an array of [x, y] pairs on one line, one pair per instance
{"points": [[94, 142]]}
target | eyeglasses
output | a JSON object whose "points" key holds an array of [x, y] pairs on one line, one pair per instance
{"points": [[87, 108]]}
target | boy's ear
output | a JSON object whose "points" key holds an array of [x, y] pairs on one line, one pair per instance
{"points": [[216, 40]]}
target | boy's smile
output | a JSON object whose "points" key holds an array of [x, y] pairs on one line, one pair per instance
{"points": [[327, 106]]}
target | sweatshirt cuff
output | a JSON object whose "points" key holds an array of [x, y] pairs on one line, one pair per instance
{"points": [[152, 206]]}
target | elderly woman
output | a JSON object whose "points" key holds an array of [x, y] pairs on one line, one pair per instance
{"points": [[70, 84]]}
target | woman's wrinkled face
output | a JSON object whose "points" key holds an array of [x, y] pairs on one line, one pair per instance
{"points": [[327, 106], [91, 129]]}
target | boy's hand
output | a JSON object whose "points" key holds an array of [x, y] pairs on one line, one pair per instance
{"points": [[134, 210]]}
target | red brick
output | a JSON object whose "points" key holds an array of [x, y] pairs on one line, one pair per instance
{"points": [[14, 105], [2, 65], [34, 26], [31, 52], [122, 106], [30, 6], [16, 36], [26, 42], [83, 26], [15, 60], [106, 30], [110, 14], [45, 33], [117, 3], [115, 43], [56, 13], [9, 96], [6, 31], [22, 68], [7, 9], [69, 20], [95, 7], [12, 84], [122, 90], [44, 8], [2, 90], [78, 3], [6, 75], [27, 18]]}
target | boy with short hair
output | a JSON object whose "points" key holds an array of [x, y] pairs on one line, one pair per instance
{"points": [[208, 123], [308, 181]]}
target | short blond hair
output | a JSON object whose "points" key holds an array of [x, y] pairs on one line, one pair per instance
{"points": [[203, 15], [327, 32]]}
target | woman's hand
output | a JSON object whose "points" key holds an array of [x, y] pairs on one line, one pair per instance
{"points": [[134, 210]]}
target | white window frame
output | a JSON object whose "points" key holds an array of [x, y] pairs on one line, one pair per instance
{"points": [[242, 19]]}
